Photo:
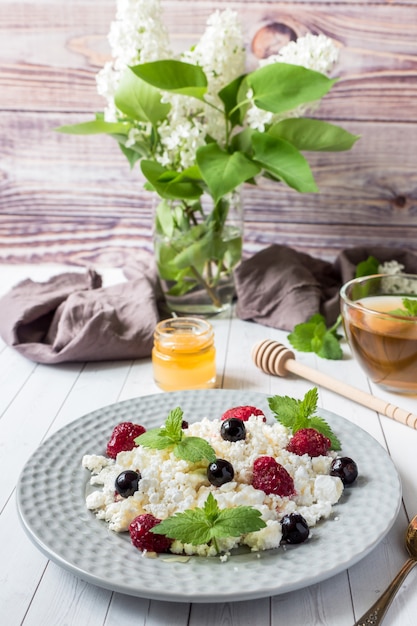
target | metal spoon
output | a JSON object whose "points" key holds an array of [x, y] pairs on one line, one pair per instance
{"points": [[376, 613]]}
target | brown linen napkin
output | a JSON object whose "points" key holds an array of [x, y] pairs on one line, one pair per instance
{"points": [[280, 287], [72, 318]]}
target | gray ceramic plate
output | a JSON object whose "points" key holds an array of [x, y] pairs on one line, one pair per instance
{"points": [[51, 505]]}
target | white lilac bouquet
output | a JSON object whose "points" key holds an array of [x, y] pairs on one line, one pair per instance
{"points": [[201, 126]]}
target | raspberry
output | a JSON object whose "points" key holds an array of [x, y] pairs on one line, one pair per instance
{"points": [[242, 413], [123, 438], [143, 539], [272, 477], [309, 441]]}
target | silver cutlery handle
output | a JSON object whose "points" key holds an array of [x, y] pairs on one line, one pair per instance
{"points": [[376, 613]]}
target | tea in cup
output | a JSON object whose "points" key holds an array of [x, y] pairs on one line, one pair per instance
{"points": [[379, 315]]}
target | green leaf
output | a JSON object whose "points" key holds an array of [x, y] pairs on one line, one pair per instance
{"points": [[171, 435], [188, 527], [229, 97], [313, 135], [283, 160], [280, 87], [224, 172], [173, 187], [285, 408], [322, 426], [314, 336], [411, 306], [296, 414], [139, 100], [153, 438], [367, 268], [175, 76], [308, 405], [173, 425], [96, 127], [196, 253], [167, 435], [194, 449], [164, 219], [131, 155], [205, 525], [409, 310]]}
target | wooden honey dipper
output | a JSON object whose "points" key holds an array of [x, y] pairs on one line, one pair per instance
{"points": [[274, 358]]}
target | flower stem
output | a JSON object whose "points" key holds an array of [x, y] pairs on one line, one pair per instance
{"points": [[210, 290]]}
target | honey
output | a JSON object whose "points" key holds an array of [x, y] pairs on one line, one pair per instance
{"points": [[184, 355]]}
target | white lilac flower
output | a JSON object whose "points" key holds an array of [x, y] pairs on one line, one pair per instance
{"points": [[390, 267], [220, 51], [221, 54], [136, 36], [393, 268], [315, 52]]}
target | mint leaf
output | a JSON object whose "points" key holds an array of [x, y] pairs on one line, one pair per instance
{"points": [[194, 449], [367, 267], [171, 436], [285, 408], [411, 306], [153, 439], [190, 526], [409, 310], [297, 414], [322, 426], [173, 425], [308, 405], [314, 336], [206, 525], [330, 347]]}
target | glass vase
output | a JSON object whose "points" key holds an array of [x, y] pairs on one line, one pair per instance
{"points": [[197, 245]]}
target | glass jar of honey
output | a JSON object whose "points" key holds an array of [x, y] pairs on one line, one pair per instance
{"points": [[183, 355]]}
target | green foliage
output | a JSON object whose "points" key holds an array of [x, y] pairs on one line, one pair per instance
{"points": [[409, 308], [314, 336], [171, 436], [175, 76], [277, 88], [223, 172], [313, 135], [296, 414], [185, 247], [140, 100], [96, 127], [192, 248], [281, 87], [367, 268], [208, 524]]}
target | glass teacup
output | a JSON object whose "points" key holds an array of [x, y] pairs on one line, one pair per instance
{"points": [[380, 320]]}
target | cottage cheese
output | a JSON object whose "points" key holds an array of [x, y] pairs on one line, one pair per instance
{"points": [[169, 485]]}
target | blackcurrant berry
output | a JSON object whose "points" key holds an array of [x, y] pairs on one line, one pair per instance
{"points": [[127, 483], [345, 468], [294, 528], [233, 429], [220, 472]]}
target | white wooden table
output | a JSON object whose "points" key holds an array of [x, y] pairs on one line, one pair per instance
{"points": [[36, 400]]}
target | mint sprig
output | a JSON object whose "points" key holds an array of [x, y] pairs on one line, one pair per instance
{"points": [[171, 435], [409, 310], [296, 414], [210, 523], [314, 336], [367, 267]]}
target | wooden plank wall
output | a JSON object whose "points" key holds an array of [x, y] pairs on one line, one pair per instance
{"points": [[74, 199]]}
